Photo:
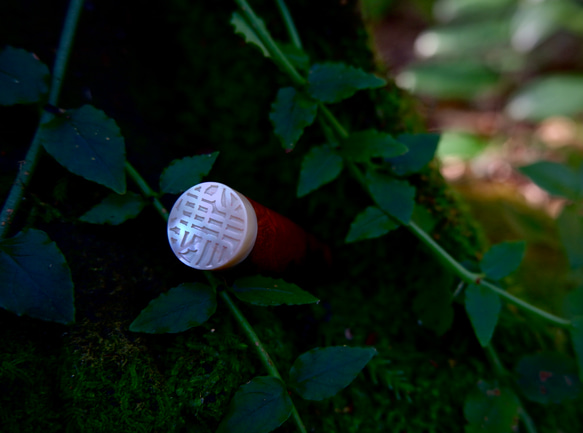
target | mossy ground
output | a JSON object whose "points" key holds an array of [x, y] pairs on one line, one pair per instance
{"points": [[179, 82]]}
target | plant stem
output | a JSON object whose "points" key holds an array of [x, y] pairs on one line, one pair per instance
{"points": [[146, 190], [493, 356], [27, 167], [443, 256], [260, 348], [289, 24], [65, 45], [504, 375], [276, 54], [555, 320], [237, 314]]}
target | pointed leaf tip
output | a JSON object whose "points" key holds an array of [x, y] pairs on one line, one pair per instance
{"points": [[290, 114], [322, 372], [503, 259], [333, 82], [36, 280], [259, 406]]}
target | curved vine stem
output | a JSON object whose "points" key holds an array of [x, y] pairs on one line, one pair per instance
{"points": [[442, 255], [503, 374], [261, 351], [28, 166], [248, 330], [289, 24]]}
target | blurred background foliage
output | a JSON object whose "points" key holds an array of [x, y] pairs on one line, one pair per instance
{"points": [[503, 81]]}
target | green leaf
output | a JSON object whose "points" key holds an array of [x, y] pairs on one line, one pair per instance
{"points": [[556, 95], [491, 409], [181, 308], [244, 29], [461, 145], [115, 209], [322, 372], [35, 279], [577, 338], [548, 377], [573, 303], [290, 114], [422, 149], [259, 406], [364, 145], [557, 179], [333, 82], [264, 291], [320, 166], [483, 307], [88, 143], [570, 225], [23, 77], [463, 79], [369, 224], [295, 55], [184, 173], [502, 259], [397, 197]]}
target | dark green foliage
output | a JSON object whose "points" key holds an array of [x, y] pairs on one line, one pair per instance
{"points": [[115, 209], [548, 377], [265, 291], [184, 173], [421, 150], [23, 78], [88, 143], [396, 197], [321, 165], [322, 372], [570, 225], [502, 259], [259, 406], [37, 279], [492, 409], [577, 336], [483, 307], [291, 112], [181, 308], [333, 82], [557, 179], [369, 224], [364, 145]]}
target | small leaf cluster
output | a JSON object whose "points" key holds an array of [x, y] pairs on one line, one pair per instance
{"points": [[36, 280], [563, 181], [263, 404]]}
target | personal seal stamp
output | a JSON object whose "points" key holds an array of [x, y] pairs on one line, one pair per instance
{"points": [[212, 227]]}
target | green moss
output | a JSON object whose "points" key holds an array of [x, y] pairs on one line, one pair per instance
{"points": [[29, 397]]}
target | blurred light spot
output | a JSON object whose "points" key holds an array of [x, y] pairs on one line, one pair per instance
{"points": [[557, 131], [520, 107], [453, 168], [526, 36], [406, 80], [533, 194], [427, 44]]}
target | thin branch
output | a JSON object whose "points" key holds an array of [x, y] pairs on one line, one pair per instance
{"points": [[28, 166]]}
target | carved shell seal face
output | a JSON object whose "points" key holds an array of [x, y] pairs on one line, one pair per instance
{"points": [[212, 227]]}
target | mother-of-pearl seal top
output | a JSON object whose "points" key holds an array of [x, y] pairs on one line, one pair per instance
{"points": [[212, 227]]}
